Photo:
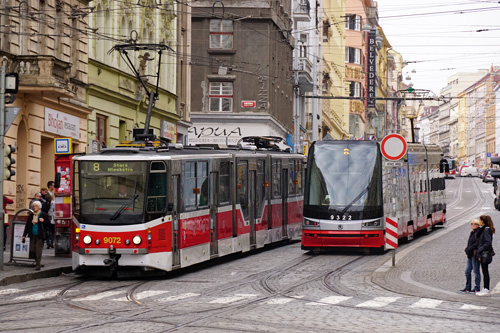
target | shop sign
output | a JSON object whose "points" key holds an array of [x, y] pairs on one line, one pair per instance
{"points": [[62, 124], [371, 77], [168, 130]]}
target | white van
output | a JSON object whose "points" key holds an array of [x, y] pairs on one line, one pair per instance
{"points": [[469, 171]]}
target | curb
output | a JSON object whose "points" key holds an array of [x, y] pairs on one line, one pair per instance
{"points": [[53, 272]]}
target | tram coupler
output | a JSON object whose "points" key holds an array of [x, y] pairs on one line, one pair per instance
{"points": [[112, 261]]}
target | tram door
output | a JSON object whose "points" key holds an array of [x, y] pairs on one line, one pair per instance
{"points": [[252, 184], [284, 199], [213, 197], [176, 238]]}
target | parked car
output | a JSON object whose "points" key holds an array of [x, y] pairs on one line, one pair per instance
{"points": [[469, 171], [488, 178]]}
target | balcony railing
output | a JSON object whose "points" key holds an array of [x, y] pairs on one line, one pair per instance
{"points": [[305, 74]]}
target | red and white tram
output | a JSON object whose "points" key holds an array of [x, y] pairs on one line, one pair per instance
{"points": [[152, 207], [351, 192]]}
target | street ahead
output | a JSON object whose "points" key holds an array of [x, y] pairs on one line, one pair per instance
{"points": [[283, 289]]}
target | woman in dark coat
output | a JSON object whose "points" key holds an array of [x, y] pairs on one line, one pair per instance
{"points": [[484, 247], [36, 229]]}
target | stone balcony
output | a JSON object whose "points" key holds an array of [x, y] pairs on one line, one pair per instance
{"points": [[41, 73]]}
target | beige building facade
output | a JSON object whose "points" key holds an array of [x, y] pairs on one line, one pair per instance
{"points": [[50, 55]]}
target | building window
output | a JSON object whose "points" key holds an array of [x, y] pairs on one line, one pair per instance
{"points": [[326, 30], [354, 89], [353, 22], [221, 96], [101, 130], [221, 34], [352, 55]]}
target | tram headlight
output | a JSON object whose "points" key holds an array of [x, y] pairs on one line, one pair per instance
{"points": [[137, 240], [308, 223], [87, 240], [375, 223]]}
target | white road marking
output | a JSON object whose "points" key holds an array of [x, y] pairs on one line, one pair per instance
{"points": [[9, 291], [277, 301], [142, 295], [330, 300], [472, 307], [230, 299], [177, 297], [378, 302], [38, 296], [101, 295], [426, 303], [150, 293], [458, 208]]}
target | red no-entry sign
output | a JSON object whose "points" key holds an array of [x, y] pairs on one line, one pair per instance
{"points": [[393, 147]]}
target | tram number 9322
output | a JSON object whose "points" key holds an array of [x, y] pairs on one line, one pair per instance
{"points": [[112, 240], [341, 218]]}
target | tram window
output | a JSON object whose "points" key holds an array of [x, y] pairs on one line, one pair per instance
{"points": [[202, 183], [261, 188], [291, 181], [276, 179], [189, 185], [298, 177], [224, 183], [157, 191], [243, 187]]}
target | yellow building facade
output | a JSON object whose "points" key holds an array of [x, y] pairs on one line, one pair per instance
{"points": [[117, 98], [335, 113]]}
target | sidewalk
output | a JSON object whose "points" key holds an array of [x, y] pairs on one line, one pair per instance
{"points": [[23, 271]]}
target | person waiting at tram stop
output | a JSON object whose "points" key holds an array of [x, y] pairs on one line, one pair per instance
{"points": [[36, 229], [472, 264], [36, 197], [485, 251]]}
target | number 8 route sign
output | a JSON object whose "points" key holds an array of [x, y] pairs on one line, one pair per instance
{"points": [[393, 147]]}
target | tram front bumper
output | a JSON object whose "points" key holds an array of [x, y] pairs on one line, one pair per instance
{"points": [[318, 238]]}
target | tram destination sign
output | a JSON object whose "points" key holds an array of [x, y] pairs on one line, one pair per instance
{"points": [[113, 167]]}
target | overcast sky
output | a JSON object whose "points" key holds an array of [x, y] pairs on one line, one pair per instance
{"points": [[443, 37]]}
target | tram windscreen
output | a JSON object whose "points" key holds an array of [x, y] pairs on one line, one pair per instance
{"points": [[344, 179], [112, 192]]}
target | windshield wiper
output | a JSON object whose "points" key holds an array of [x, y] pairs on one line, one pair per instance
{"points": [[125, 205], [355, 199]]}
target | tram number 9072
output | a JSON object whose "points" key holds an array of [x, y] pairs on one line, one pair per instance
{"points": [[341, 218], [112, 240]]}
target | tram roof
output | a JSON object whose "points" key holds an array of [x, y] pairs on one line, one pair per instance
{"points": [[127, 153]]}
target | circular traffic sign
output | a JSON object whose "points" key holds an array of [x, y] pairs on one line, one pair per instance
{"points": [[393, 147]]}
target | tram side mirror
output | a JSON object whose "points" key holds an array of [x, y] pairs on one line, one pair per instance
{"points": [[495, 160], [57, 181], [444, 166], [495, 173]]}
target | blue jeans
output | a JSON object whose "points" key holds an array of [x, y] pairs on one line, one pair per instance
{"points": [[472, 265]]}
